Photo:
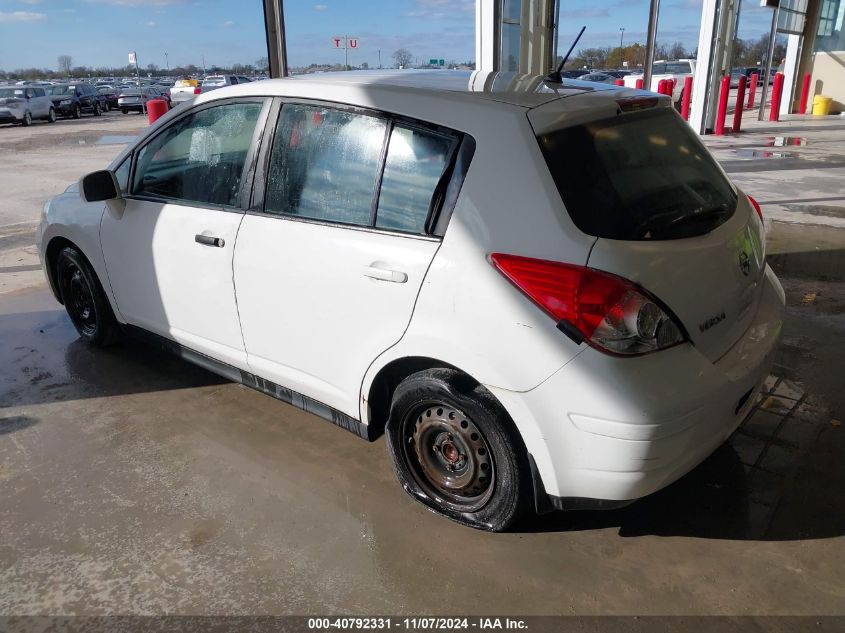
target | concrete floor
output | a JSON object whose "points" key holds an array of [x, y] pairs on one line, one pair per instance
{"points": [[132, 482]]}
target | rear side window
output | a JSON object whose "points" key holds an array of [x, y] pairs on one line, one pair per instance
{"points": [[638, 176], [415, 164]]}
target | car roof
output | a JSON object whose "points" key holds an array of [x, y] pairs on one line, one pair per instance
{"points": [[526, 91]]}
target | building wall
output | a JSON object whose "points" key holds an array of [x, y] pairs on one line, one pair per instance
{"points": [[828, 78]]}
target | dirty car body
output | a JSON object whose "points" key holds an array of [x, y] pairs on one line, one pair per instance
{"points": [[548, 295]]}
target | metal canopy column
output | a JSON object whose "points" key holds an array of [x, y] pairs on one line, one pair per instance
{"points": [[274, 27], [515, 35], [715, 50]]}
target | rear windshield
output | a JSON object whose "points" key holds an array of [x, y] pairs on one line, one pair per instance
{"points": [[638, 176], [214, 81]]}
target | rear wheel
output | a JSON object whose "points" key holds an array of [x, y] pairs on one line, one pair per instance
{"points": [[27, 119], [77, 112], [97, 110], [454, 449], [84, 299], [51, 118], [124, 110]]}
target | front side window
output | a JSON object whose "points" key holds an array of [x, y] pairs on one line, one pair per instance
{"points": [[325, 164], [200, 157], [122, 174], [415, 164]]}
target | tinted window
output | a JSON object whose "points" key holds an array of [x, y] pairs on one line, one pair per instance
{"points": [[30, 92], [678, 67], [639, 176], [658, 69], [200, 157], [324, 164], [39, 92], [416, 161]]}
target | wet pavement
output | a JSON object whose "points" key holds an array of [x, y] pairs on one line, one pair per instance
{"points": [[133, 482]]}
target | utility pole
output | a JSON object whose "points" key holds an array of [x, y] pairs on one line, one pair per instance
{"points": [[379, 58], [621, 35], [203, 65], [167, 62]]}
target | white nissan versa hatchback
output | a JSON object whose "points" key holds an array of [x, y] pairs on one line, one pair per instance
{"points": [[547, 295]]}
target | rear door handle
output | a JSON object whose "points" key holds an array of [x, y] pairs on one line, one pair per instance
{"points": [[385, 274], [209, 240]]}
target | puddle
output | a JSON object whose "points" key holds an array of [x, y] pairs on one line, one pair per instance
{"points": [[760, 153], [108, 139], [785, 141]]}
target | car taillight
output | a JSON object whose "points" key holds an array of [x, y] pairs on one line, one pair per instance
{"points": [[608, 312], [756, 206], [197, 90]]}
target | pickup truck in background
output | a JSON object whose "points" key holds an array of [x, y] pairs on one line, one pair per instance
{"points": [[677, 69], [184, 90]]}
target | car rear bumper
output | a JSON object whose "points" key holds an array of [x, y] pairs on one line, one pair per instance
{"points": [[609, 428]]}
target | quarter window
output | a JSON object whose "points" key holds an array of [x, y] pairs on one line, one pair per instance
{"points": [[200, 157], [325, 164], [416, 161]]}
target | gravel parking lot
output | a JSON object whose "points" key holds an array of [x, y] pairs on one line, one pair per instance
{"points": [[132, 482]]}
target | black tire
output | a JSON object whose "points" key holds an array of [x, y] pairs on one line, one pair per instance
{"points": [[124, 110], [77, 112], [27, 119], [84, 299], [97, 110], [456, 450], [51, 118]]}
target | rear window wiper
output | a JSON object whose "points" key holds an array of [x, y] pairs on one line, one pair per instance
{"points": [[667, 221]]}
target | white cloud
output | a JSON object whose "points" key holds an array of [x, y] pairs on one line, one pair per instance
{"points": [[20, 16], [33, 1], [228, 23], [321, 7], [151, 23]]}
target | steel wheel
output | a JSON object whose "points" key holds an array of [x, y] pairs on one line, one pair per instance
{"points": [[449, 456], [81, 307]]}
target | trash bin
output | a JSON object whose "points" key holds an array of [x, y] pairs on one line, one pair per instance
{"points": [[158, 107], [821, 105]]}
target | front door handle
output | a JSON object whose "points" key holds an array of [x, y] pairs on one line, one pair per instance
{"points": [[383, 274], [209, 240]]}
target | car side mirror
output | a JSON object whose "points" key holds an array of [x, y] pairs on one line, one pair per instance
{"points": [[99, 186]]}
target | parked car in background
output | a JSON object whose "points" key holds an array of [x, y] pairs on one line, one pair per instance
{"points": [[356, 253], [75, 99], [598, 77], [111, 95], [573, 74], [24, 104], [678, 70], [135, 99], [212, 82], [184, 90]]}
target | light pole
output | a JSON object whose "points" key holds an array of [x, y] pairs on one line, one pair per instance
{"points": [[621, 35], [167, 62]]}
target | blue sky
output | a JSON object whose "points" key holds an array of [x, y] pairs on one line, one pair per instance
{"points": [[101, 32]]}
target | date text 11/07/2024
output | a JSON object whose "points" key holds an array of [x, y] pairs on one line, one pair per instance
{"points": [[415, 624]]}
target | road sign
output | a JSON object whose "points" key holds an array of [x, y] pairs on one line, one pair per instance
{"points": [[345, 42], [432, 62], [132, 58], [441, 63]]}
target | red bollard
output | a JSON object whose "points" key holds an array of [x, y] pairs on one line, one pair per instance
{"points": [[619, 82], [639, 84], [777, 91], [670, 88], [685, 99], [155, 109], [805, 94], [661, 87], [755, 78], [723, 106], [740, 99]]}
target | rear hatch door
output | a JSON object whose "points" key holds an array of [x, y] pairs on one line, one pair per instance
{"points": [[665, 215]]}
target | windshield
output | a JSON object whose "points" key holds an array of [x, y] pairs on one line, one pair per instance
{"points": [[11, 93], [638, 176], [58, 90]]}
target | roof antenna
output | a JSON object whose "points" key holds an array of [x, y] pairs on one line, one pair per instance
{"points": [[555, 77]]}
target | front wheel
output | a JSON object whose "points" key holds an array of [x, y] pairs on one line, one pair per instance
{"points": [[97, 110], [51, 118], [27, 119], [77, 112], [84, 299], [455, 449]]}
